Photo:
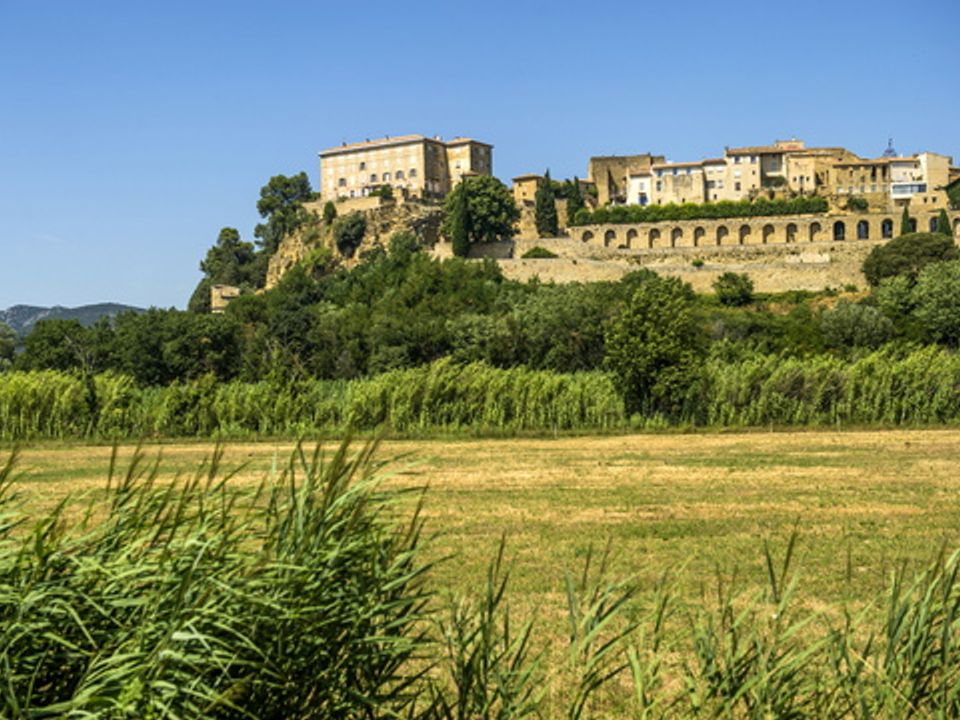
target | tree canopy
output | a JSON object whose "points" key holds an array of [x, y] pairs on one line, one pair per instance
{"points": [[490, 210], [545, 209], [281, 203], [907, 255]]}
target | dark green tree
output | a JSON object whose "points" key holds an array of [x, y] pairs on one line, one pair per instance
{"points": [[457, 221], [229, 262], [491, 211], [734, 289], [574, 201], [545, 209], [855, 325], [329, 212], [906, 226], [56, 345], [943, 223], [936, 298], [281, 203], [907, 255], [8, 343], [655, 345], [348, 233]]}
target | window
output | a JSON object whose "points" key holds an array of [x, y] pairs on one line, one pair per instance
{"points": [[363, 166], [736, 160], [736, 186], [373, 177], [342, 182], [386, 177], [399, 174], [659, 185], [413, 172]]}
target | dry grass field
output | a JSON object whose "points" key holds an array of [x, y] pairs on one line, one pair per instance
{"points": [[685, 505]]}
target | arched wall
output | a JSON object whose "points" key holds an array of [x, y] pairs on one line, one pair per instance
{"points": [[774, 230]]}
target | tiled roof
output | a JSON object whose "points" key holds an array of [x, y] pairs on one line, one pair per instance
{"points": [[371, 144]]}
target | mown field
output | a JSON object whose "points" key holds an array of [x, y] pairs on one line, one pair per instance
{"points": [[685, 505]]}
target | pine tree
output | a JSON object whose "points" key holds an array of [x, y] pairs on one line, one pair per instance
{"points": [[905, 227], [460, 222], [545, 209], [943, 223]]}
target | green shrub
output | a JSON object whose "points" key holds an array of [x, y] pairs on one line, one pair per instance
{"points": [[348, 233], [907, 255], [734, 289], [538, 253]]}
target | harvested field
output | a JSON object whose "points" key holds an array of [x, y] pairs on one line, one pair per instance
{"points": [[686, 505]]}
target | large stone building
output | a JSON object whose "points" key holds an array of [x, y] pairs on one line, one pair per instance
{"points": [[787, 167], [413, 165]]}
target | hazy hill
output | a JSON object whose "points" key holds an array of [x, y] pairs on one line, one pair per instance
{"points": [[22, 318]]}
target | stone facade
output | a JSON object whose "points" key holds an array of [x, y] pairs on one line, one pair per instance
{"points": [[413, 165], [785, 168]]}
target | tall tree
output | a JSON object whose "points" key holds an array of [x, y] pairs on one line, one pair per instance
{"points": [[545, 209], [574, 201], [229, 262], [281, 203], [655, 345], [459, 222], [490, 209], [8, 342], [943, 223], [906, 227]]}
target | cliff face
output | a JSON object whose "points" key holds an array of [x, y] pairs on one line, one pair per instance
{"points": [[383, 220]]}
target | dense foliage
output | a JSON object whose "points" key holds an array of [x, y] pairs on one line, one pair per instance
{"points": [[484, 209], [545, 209], [907, 255], [706, 211], [734, 289]]}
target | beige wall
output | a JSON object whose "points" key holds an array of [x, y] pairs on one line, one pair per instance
{"points": [[678, 184], [609, 173]]}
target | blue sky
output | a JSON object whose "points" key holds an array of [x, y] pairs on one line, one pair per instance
{"points": [[131, 132]]}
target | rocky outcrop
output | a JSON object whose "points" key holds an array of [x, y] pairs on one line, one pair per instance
{"points": [[384, 219]]}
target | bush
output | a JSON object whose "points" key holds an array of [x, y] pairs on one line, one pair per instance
{"points": [[734, 289], [857, 204], [853, 325], [936, 298], [329, 212], [907, 255], [202, 600], [348, 233], [538, 253], [705, 211]]}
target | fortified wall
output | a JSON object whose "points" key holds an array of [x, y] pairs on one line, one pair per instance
{"points": [[805, 252]]}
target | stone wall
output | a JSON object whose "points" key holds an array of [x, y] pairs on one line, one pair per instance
{"points": [[607, 252]]}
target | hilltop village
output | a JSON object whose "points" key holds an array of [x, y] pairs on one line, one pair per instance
{"points": [[785, 213]]}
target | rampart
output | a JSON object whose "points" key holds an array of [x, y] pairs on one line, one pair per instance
{"points": [[809, 252]]}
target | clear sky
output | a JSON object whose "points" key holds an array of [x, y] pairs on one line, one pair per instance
{"points": [[131, 132]]}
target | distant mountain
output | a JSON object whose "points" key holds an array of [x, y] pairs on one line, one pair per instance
{"points": [[22, 318]]}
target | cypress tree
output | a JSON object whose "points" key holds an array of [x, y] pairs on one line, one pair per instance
{"points": [[905, 228], [943, 223], [575, 201], [460, 222], [545, 209]]}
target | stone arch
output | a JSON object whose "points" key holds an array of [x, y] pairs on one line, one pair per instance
{"points": [[675, 234], [886, 228], [791, 232], [399, 174], [933, 224], [652, 237], [767, 233], [815, 231], [863, 230], [722, 232], [839, 230], [609, 237], [587, 236], [744, 233], [956, 224], [698, 235], [631, 236]]}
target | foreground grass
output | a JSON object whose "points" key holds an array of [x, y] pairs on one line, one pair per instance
{"points": [[712, 513], [686, 505]]}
